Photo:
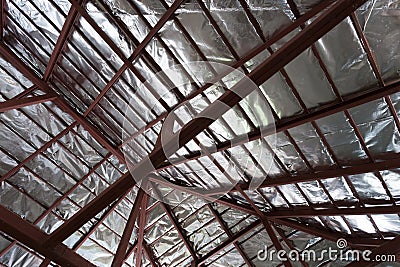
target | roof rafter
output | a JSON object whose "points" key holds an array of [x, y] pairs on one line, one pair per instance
{"points": [[45, 262], [27, 101], [354, 242], [288, 242], [141, 225], [325, 174], [275, 241], [150, 255], [310, 212], [126, 236], [2, 17], [66, 31]]}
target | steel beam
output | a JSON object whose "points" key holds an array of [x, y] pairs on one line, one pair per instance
{"points": [[27, 101], [391, 247], [141, 225], [34, 238], [126, 236], [45, 262], [275, 241], [325, 174], [61, 42], [353, 242], [288, 242], [309, 212], [3, 17]]}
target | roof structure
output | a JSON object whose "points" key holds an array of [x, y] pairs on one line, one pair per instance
{"points": [[328, 163]]}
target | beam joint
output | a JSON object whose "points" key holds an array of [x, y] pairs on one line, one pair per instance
{"points": [[33, 237]]}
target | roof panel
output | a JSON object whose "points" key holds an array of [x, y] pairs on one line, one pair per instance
{"points": [[61, 162]]}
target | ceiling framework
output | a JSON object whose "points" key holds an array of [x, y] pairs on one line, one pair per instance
{"points": [[72, 84]]}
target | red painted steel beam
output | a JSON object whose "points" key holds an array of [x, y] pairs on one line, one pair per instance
{"points": [[26, 92], [34, 238], [325, 174], [45, 262], [126, 236], [3, 17], [309, 212], [28, 73], [320, 26], [346, 171], [235, 237], [353, 242], [61, 42], [27, 101], [391, 247], [141, 226]]}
